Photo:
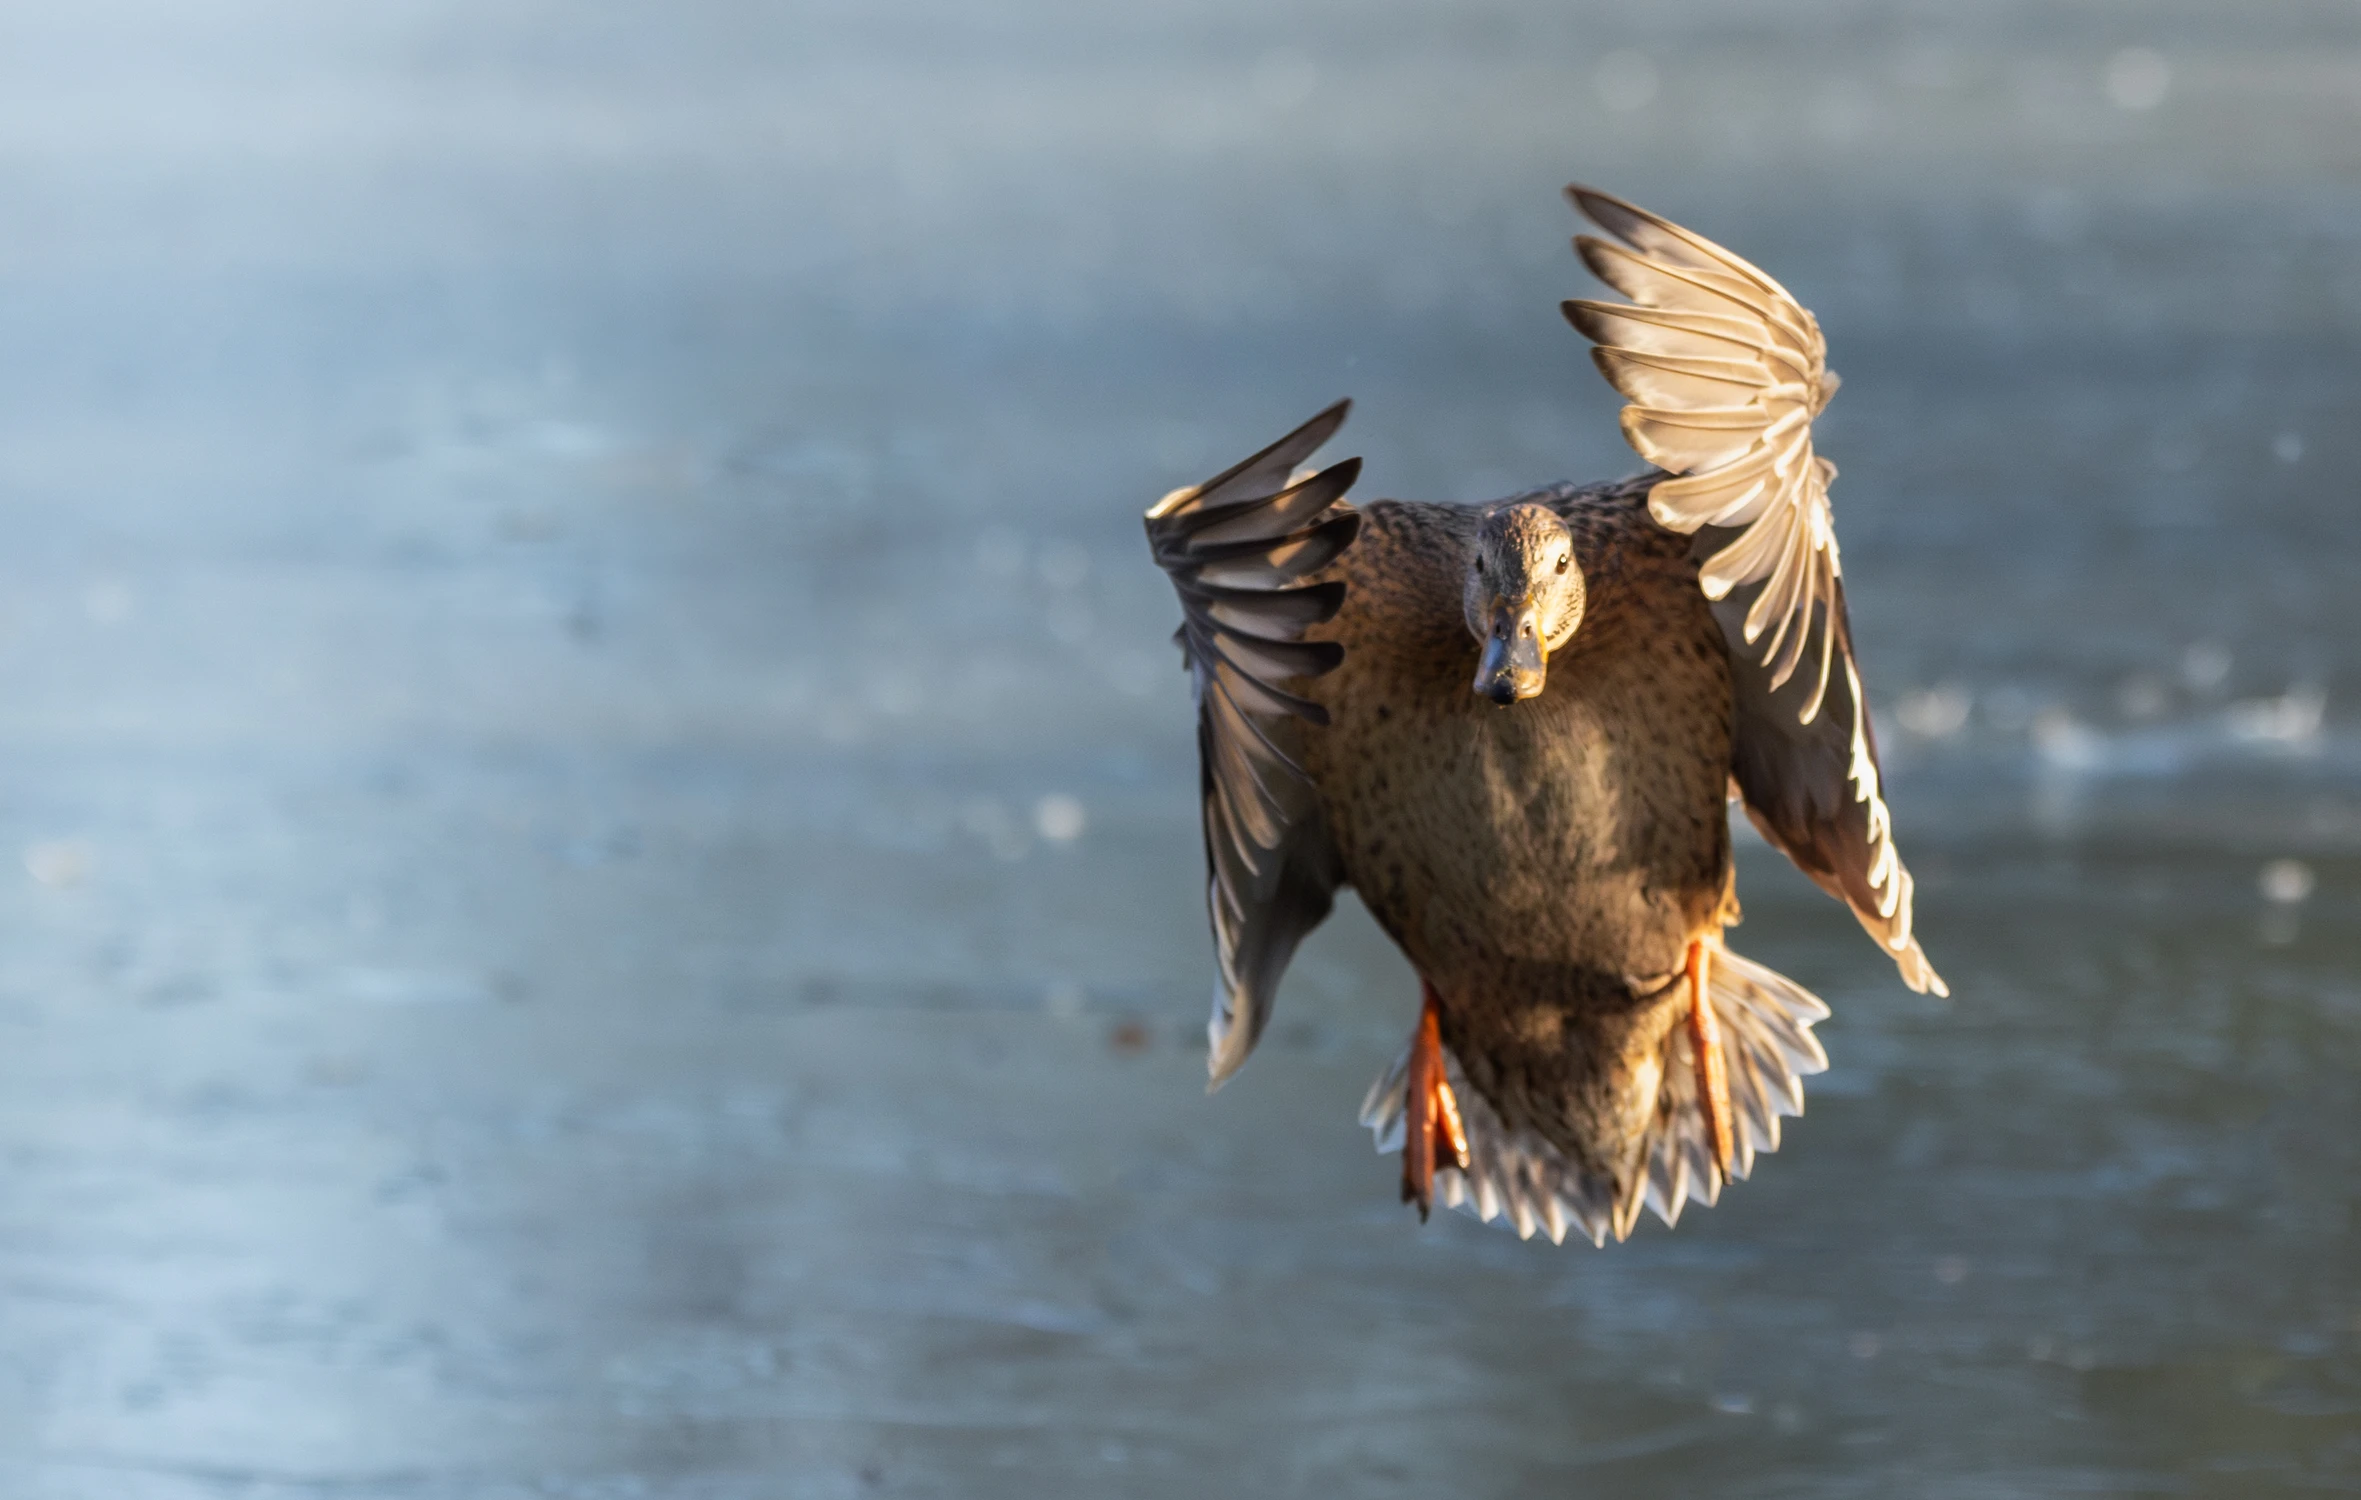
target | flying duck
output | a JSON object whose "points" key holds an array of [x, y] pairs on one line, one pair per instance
{"points": [[1514, 728]]}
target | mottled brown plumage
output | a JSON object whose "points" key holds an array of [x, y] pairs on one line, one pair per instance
{"points": [[1513, 729], [1528, 859]]}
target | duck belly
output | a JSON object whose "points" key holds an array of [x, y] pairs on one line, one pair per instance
{"points": [[1561, 833], [1544, 867]]}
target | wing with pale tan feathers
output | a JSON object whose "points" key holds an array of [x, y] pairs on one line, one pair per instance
{"points": [[1237, 548], [1725, 372]]}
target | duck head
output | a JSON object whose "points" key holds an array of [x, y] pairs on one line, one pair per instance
{"points": [[1524, 598]]}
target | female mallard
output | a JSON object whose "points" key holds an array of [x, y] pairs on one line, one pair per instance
{"points": [[1550, 848]]}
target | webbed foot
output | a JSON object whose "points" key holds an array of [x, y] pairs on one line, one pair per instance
{"points": [[1434, 1134]]}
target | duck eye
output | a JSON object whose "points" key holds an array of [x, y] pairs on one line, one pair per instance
{"points": [[1563, 563]]}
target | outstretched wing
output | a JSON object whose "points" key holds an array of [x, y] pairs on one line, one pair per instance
{"points": [[1237, 548], [1811, 787], [1725, 372]]}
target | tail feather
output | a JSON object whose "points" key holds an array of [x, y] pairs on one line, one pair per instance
{"points": [[1514, 1174]]}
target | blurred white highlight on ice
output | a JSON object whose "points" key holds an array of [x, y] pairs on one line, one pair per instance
{"points": [[1935, 713], [2062, 741], [2138, 78], [2205, 666], [2287, 882], [60, 862], [1059, 819], [2293, 718], [109, 601]]}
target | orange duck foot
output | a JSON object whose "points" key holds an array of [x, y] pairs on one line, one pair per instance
{"points": [[1433, 1133], [1705, 1050]]}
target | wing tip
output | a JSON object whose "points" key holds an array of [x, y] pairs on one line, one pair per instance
{"points": [[1325, 423], [1226, 1044], [1308, 436], [1919, 974], [1584, 198], [1584, 315], [1172, 501], [1593, 252]]}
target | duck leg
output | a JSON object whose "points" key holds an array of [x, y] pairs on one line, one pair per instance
{"points": [[1705, 1047], [1433, 1134]]}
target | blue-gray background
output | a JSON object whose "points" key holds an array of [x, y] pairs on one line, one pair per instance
{"points": [[603, 897]]}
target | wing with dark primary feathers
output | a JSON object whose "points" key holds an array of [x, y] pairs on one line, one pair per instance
{"points": [[1725, 371], [1812, 788], [1237, 548]]}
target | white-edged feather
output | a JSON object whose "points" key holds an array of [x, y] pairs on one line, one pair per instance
{"points": [[1518, 1178], [1725, 372]]}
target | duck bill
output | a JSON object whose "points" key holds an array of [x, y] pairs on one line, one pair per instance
{"points": [[1514, 665]]}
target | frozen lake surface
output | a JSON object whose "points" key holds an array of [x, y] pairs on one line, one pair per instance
{"points": [[603, 888]]}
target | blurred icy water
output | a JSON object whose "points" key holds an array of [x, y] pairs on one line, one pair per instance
{"points": [[606, 893]]}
